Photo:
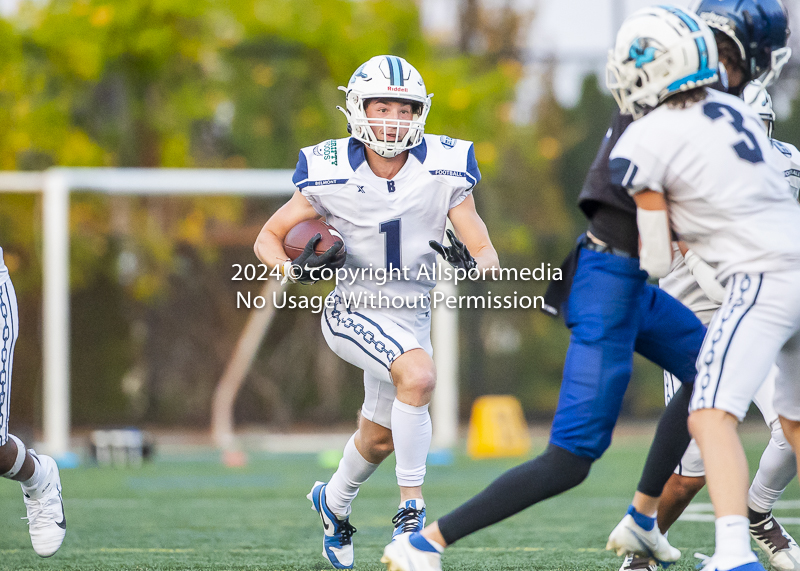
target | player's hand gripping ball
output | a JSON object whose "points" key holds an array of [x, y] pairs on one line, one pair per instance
{"points": [[313, 245], [456, 254]]}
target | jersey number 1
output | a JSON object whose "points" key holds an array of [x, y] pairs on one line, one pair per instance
{"points": [[713, 111], [392, 230]]}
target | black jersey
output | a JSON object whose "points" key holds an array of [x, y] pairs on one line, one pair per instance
{"points": [[610, 209]]}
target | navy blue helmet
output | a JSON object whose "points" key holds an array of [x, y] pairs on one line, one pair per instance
{"points": [[759, 28]]}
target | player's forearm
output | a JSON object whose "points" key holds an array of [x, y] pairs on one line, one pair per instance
{"points": [[269, 249], [488, 262]]}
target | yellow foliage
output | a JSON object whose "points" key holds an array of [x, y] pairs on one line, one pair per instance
{"points": [[459, 99], [19, 140], [11, 260], [263, 75], [549, 148], [511, 69], [486, 153], [192, 228], [235, 162], [262, 126], [146, 287], [79, 150], [84, 57], [101, 16], [309, 117], [175, 151]]}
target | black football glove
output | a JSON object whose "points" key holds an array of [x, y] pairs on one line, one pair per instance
{"points": [[457, 254], [308, 265]]}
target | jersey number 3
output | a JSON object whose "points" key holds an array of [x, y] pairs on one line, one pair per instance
{"points": [[392, 230], [751, 154]]}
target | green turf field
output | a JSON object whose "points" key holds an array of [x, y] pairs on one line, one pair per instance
{"points": [[192, 513]]}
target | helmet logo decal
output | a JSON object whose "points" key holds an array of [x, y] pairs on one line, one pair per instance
{"points": [[641, 53], [360, 73]]}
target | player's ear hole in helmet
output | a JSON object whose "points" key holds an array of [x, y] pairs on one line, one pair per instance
{"points": [[730, 57]]}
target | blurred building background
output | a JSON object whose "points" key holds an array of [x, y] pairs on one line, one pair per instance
{"points": [[247, 83]]}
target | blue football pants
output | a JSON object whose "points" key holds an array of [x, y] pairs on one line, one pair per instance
{"points": [[612, 311]]}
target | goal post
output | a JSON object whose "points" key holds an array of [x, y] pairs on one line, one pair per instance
{"points": [[57, 184]]}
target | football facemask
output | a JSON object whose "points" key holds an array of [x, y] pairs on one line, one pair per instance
{"points": [[756, 96]]}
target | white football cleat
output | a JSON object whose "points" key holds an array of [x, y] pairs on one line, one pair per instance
{"points": [[629, 537], [401, 555], [46, 522], [337, 538], [779, 546]]}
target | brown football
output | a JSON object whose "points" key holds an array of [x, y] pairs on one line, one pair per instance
{"points": [[297, 238]]}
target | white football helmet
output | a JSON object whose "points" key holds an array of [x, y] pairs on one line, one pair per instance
{"points": [[756, 96], [660, 51], [386, 77]]}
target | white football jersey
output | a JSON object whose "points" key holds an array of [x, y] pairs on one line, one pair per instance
{"points": [[724, 185], [3, 269], [388, 222], [680, 282], [791, 164]]}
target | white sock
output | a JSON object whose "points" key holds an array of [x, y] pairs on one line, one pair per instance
{"points": [[411, 432], [343, 486], [31, 485], [733, 542], [775, 470]]}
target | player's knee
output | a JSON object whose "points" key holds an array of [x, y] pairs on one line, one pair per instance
{"points": [[573, 468], [374, 441], [416, 382], [708, 421], [422, 382], [382, 447], [686, 486]]}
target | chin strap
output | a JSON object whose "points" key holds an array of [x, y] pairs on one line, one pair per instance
{"points": [[20, 458]]}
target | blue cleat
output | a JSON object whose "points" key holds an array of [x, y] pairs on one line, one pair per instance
{"points": [[709, 565], [337, 543], [410, 517]]}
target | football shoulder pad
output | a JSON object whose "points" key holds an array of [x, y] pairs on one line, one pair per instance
{"points": [[453, 159], [324, 167]]}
